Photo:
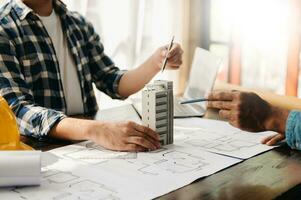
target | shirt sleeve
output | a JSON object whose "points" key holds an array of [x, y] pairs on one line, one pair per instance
{"points": [[293, 130], [105, 74], [32, 119]]}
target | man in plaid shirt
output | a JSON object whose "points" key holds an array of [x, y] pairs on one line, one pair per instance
{"points": [[49, 58]]}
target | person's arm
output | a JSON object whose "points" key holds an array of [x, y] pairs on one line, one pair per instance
{"points": [[118, 136], [41, 122], [120, 84], [134, 80], [249, 112], [33, 120]]}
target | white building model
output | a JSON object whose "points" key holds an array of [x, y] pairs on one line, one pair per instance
{"points": [[157, 109]]}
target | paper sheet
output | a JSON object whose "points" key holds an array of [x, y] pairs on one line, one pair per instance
{"points": [[87, 171], [20, 168], [121, 113], [120, 176], [219, 137]]}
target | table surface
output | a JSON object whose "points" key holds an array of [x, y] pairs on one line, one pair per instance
{"points": [[275, 174]]}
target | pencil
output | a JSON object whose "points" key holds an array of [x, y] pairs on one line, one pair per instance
{"points": [[165, 59], [194, 101]]}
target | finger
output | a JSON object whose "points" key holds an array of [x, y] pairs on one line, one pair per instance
{"points": [[268, 138], [234, 123], [174, 48], [274, 140], [141, 142], [143, 135], [220, 96], [148, 131], [175, 51], [175, 61], [225, 114], [224, 105], [134, 148]]}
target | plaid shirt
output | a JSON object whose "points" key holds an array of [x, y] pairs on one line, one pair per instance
{"points": [[29, 73]]}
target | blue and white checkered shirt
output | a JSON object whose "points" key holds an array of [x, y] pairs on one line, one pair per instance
{"points": [[29, 72]]}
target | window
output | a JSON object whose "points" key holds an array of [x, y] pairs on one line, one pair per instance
{"points": [[259, 40]]}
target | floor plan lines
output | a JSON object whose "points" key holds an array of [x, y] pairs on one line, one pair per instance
{"points": [[91, 153], [226, 140], [59, 185], [171, 161]]}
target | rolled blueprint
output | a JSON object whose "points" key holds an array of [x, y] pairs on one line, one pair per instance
{"points": [[20, 168]]}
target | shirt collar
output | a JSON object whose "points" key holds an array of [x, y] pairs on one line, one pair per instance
{"points": [[22, 10]]}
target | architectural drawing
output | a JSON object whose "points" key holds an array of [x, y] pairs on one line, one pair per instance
{"points": [[175, 162], [88, 189], [227, 144], [60, 177], [157, 109], [58, 185], [237, 143], [91, 153]]}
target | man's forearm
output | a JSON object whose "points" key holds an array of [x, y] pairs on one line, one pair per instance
{"points": [[72, 129], [134, 80]]}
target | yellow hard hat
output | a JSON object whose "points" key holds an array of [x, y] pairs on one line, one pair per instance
{"points": [[9, 132]]}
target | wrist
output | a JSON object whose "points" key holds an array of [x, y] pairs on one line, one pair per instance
{"points": [[91, 130], [276, 120], [156, 61]]}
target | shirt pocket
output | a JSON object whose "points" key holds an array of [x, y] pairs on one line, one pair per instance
{"points": [[32, 68]]}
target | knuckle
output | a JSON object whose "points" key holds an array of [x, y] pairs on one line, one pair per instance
{"points": [[145, 129], [126, 130], [130, 123], [140, 140], [218, 95], [127, 124]]}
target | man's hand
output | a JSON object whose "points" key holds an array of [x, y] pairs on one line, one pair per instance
{"points": [[134, 80], [174, 57], [246, 111], [124, 136], [249, 112]]}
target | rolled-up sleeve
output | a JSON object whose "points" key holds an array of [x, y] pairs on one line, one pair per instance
{"points": [[33, 120], [105, 74], [293, 130]]}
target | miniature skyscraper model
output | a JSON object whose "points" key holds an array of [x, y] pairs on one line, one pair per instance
{"points": [[157, 109]]}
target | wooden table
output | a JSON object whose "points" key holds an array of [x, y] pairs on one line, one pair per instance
{"points": [[272, 175]]}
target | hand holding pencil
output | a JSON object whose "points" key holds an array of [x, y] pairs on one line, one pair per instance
{"points": [[171, 55]]}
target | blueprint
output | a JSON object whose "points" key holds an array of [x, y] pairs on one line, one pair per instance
{"points": [[219, 137], [88, 171], [120, 175]]}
